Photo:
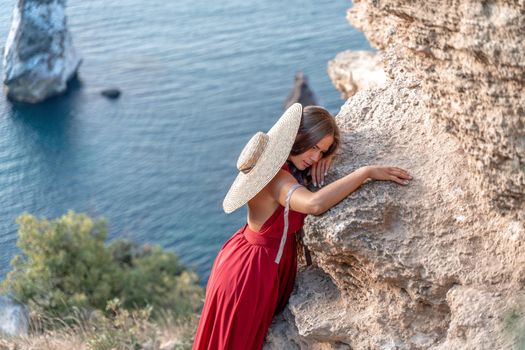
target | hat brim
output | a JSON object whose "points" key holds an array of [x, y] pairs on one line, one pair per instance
{"points": [[281, 138]]}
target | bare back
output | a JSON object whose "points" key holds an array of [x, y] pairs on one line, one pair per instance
{"points": [[260, 209], [264, 204]]}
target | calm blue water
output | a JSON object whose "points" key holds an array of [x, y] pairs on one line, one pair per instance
{"points": [[198, 79]]}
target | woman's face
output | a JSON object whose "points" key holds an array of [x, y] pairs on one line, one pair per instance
{"points": [[311, 156]]}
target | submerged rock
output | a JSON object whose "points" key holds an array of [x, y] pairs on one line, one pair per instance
{"points": [[110, 93], [14, 318], [301, 92], [39, 57]]}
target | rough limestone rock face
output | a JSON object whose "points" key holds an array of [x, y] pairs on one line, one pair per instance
{"points": [[470, 58], [352, 71], [428, 265], [39, 56], [440, 263]]}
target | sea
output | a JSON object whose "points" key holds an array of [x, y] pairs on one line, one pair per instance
{"points": [[198, 79]]}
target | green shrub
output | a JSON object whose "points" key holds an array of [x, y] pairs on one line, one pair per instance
{"points": [[154, 277], [65, 264]]}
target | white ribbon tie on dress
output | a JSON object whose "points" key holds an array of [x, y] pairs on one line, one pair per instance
{"points": [[285, 231]]}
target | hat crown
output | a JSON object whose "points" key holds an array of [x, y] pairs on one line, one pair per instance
{"points": [[251, 152]]}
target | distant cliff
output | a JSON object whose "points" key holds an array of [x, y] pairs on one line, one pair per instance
{"points": [[439, 264]]}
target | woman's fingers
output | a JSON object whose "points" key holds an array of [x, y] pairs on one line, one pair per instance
{"points": [[313, 173], [319, 170], [320, 173], [399, 180], [327, 165], [400, 173], [389, 173], [405, 173]]}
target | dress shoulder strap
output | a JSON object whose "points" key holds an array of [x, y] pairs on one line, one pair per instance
{"points": [[285, 230]]}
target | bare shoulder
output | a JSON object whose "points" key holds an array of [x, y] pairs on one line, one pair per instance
{"points": [[280, 182], [270, 193]]}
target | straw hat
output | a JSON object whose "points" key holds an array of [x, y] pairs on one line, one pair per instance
{"points": [[262, 157]]}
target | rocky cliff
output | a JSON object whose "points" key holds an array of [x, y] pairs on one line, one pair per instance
{"points": [[469, 56], [352, 71], [439, 264]]}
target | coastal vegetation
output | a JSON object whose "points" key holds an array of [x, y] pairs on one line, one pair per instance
{"points": [[101, 296]]}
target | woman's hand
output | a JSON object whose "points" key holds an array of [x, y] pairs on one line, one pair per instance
{"points": [[389, 173], [319, 170]]}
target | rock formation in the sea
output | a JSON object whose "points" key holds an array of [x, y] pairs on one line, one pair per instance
{"points": [[352, 71], [439, 264], [39, 57], [301, 92]]}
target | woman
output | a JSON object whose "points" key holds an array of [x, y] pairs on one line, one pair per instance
{"points": [[254, 272]]}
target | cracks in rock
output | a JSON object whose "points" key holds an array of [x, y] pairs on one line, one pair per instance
{"points": [[480, 57], [401, 14]]}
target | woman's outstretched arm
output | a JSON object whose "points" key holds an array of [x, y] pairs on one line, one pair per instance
{"points": [[318, 202]]}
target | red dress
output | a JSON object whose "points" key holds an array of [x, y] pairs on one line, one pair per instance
{"points": [[247, 287]]}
